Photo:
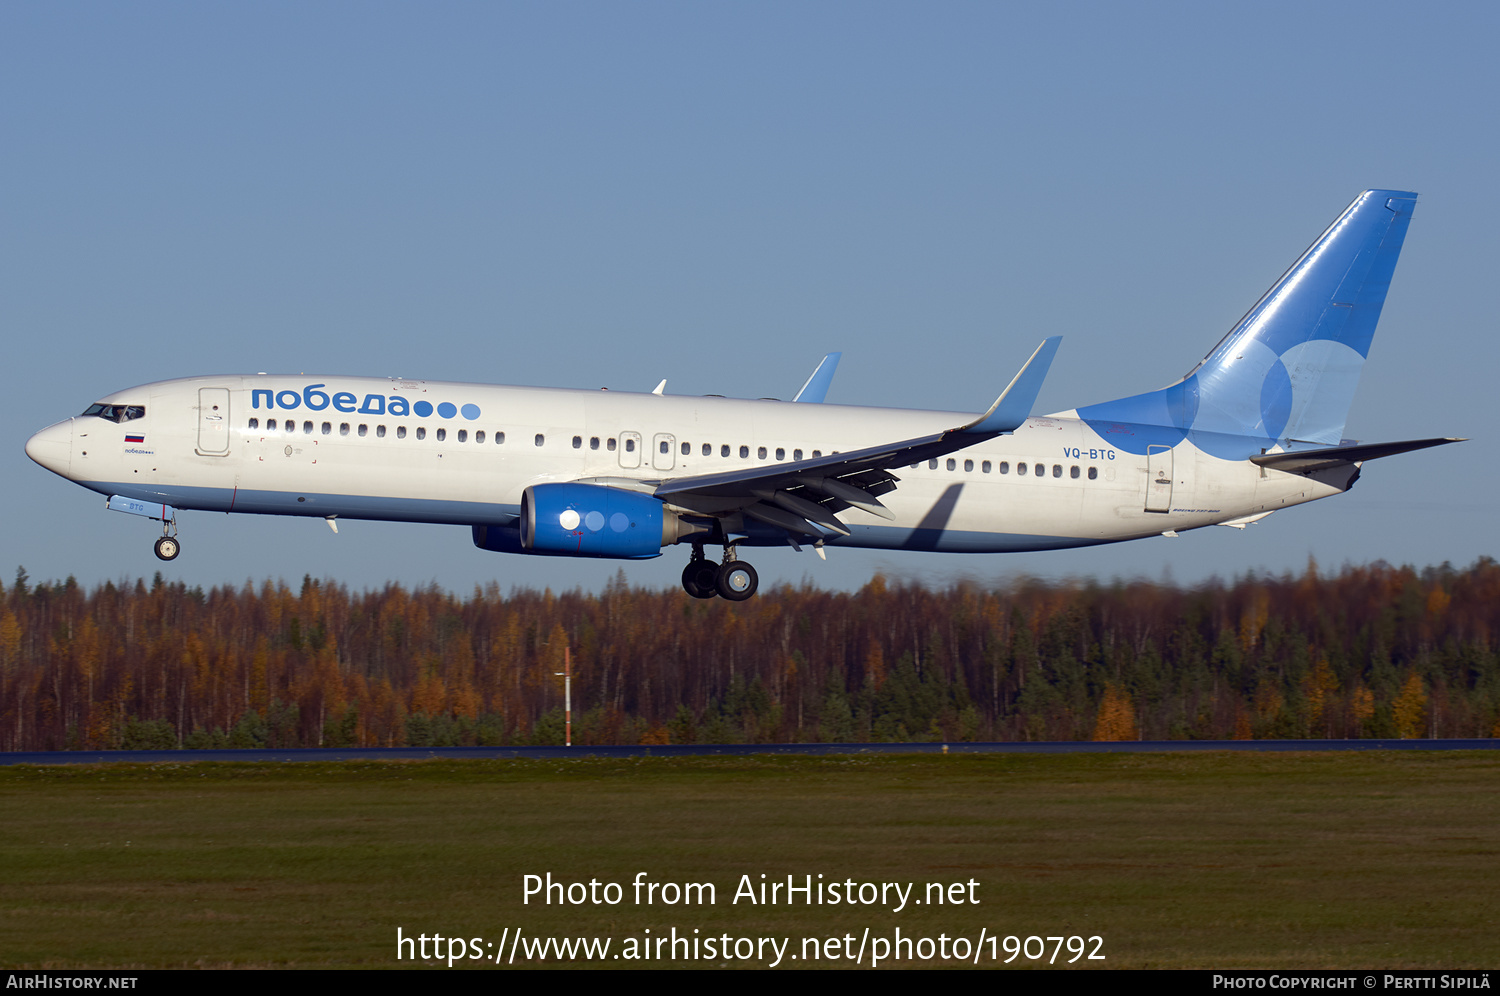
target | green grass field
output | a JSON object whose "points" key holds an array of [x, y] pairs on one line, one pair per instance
{"points": [[1368, 860]]}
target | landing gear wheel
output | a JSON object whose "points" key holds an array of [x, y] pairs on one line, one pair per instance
{"points": [[700, 578], [737, 581], [167, 548]]}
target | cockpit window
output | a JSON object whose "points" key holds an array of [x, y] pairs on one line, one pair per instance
{"points": [[117, 413]]}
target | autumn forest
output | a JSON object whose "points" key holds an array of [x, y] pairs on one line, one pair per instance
{"points": [[1371, 651]]}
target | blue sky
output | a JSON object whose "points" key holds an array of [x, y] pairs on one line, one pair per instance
{"points": [[592, 194]]}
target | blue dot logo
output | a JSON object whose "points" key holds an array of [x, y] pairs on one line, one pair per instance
{"points": [[447, 410], [422, 409], [471, 412]]}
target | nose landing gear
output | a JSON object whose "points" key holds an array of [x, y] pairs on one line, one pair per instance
{"points": [[734, 579], [167, 544]]}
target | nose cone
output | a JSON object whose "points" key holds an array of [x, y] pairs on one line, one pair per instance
{"points": [[53, 447]]}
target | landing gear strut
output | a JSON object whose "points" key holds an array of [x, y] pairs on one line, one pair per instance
{"points": [[734, 579]]}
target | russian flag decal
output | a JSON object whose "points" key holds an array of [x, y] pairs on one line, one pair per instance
{"points": [[134, 439]]}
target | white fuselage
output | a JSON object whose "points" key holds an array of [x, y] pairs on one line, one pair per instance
{"points": [[357, 448]]}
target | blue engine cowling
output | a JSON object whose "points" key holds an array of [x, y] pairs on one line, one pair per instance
{"points": [[587, 520]]}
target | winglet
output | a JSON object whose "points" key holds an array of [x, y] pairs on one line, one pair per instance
{"points": [[1011, 410], [816, 388]]}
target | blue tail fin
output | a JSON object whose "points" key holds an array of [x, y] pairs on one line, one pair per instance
{"points": [[1287, 371]]}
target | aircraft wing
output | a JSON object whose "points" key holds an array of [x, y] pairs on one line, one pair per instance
{"points": [[805, 496]]}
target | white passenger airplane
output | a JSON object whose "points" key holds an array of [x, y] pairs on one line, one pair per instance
{"points": [[1255, 427]]}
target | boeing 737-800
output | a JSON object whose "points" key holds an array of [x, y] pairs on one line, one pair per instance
{"points": [[1255, 427]]}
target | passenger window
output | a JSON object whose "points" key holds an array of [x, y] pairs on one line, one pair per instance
{"points": [[968, 466], [724, 450], [1020, 469], [1005, 466], [479, 435], [463, 435], [666, 447], [708, 449], [952, 464], [817, 453], [1057, 470], [1041, 470], [796, 454], [499, 438], [364, 429], [611, 446], [343, 428], [760, 453], [687, 448], [1074, 472], [1093, 473], [270, 425], [421, 432], [442, 435], [630, 446], [744, 452], [932, 465], [780, 453], [255, 423], [400, 432], [380, 432], [578, 442], [593, 442], [541, 439], [985, 467]]}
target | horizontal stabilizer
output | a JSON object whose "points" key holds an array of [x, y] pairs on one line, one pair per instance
{"points": [[1310, 461]]}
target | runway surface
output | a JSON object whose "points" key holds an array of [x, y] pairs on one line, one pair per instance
{"points": [[694, 750]]}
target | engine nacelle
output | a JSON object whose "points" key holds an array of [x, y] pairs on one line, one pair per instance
{"points": [[588, 520]]}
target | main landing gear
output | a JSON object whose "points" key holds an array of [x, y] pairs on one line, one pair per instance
{"points": [[167, 545], [733, 579]]}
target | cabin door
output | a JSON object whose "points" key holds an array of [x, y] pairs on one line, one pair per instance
{"points": [[1158, 478], [213, 421]]}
